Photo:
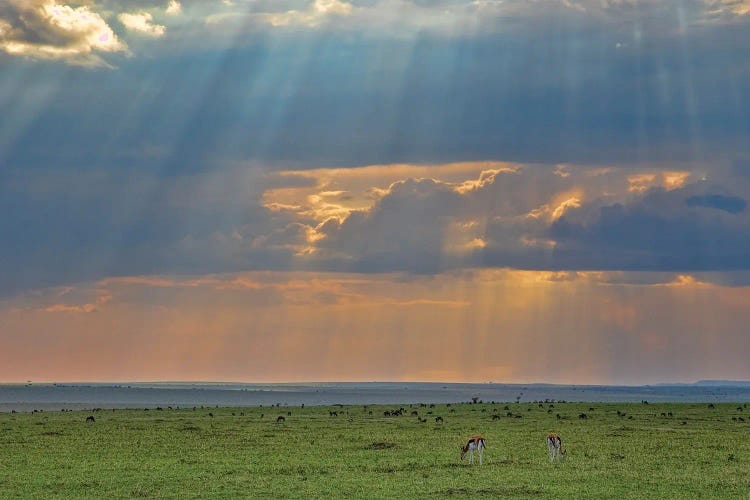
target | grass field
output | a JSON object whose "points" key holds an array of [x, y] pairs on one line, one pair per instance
{"points": [[697, 452]]}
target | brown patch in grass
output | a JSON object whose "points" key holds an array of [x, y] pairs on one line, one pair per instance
{"points": [[381, 446]]}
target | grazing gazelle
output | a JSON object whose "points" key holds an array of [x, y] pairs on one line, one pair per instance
{"points": [[475, 442], [554, 445]]}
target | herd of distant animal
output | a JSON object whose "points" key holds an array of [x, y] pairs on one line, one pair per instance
{"points": [[476, 442]]}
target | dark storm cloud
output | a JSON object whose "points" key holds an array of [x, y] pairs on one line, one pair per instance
{"points": [[731, 204], [664, 230], [79, 225]]}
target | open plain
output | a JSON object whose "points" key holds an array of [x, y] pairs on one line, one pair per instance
{"points": [[628, 450]]}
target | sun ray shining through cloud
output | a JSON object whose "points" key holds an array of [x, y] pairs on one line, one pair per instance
{"points": [[187, 184]]}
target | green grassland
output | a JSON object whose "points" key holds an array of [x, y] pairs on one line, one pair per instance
{"points": [[618, 451]]}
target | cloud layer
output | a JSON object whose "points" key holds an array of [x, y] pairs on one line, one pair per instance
{"points": [[374, 220]]}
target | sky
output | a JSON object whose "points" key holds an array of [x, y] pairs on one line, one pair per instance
{"points": [[392, 190]]}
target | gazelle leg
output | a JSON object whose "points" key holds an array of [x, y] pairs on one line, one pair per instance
{"points": [[481, 456]]}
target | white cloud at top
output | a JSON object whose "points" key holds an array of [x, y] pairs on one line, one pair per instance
{"points": [[47, 30]]}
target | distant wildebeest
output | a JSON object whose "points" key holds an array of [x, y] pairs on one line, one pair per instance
{"points": [[90, 418], [438, 419], [280, 418], [333, 414], [495, 417], [211, 415], [583, 416], [414, 413], [288, 414]]}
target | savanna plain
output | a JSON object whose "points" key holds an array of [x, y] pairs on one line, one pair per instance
{"points": [[633, 450]]}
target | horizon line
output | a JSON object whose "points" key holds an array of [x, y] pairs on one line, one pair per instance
{"points": [[322, 382]]}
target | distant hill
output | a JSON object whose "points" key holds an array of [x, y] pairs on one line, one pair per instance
{"points": [[723, 383], [706, 383]]}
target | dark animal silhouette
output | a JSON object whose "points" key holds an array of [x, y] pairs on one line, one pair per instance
{"points": [[280, 419], [90, 418]]}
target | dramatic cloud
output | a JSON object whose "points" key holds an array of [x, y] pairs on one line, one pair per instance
{"points": [[691, 228], [375, 219], [530, 217], [142, 22], [45, 29], [311, 178]]}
